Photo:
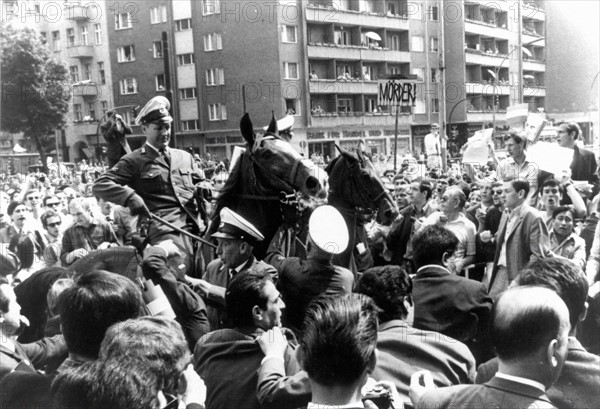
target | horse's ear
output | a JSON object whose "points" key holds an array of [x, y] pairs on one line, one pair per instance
{"points": [[247, 129], [351, 157], [272, 129]]}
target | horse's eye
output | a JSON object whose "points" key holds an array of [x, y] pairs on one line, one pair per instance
{"points": [[267, 154]]}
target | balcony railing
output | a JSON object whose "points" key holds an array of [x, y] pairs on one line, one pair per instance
{"points": [[78, 13], [80, 51], [86, 89], [356, 52], [86, 127]]}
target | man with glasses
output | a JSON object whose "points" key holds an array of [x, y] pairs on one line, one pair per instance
{"points": [[51, 202], [34, 203], [52, 224]]}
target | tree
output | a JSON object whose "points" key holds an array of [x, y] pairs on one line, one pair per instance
{"points": [[35, 87]]}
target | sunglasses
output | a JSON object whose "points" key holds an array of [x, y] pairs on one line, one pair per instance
{"points": [[52, 204], [497, 192], [34, 198], [54, 224]]}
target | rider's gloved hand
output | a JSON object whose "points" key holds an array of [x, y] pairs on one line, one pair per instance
{"points": [[137, 206]]}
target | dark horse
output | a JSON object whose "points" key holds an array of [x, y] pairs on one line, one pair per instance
{"points": [[268, 167], [356, 191]]}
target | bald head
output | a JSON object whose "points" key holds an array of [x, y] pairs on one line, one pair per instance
{"points": [[525, 320]]}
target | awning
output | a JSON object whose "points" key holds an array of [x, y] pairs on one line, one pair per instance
{"points": [[373, 35]]}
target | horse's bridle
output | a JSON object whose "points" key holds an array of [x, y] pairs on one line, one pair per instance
{"points": [[363, 192]]}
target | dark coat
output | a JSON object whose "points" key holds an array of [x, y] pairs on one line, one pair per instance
{"points": [[584, 166]]}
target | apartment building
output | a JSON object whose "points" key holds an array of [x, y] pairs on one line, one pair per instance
{"points": [[76, 33]]}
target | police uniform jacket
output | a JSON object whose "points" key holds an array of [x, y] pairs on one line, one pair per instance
{"points": [[167, 189]]}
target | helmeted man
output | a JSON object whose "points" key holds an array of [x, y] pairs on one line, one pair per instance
{"points": [[236, 237], [300, 281], [156, 178]]}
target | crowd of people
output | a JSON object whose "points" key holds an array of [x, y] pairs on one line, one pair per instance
{"points": [[477, 296]]}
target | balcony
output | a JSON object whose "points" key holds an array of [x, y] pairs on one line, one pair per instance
{"points": [[343, 87], [316, 14], [480, 58], [80, 51], [85, 127], [355, 52], [487, 89], [533, 65], [331, 120], [487, 116], [533, 11], [530, 37], [485, 29], [534, 91], [77, 12], [85, 89]]}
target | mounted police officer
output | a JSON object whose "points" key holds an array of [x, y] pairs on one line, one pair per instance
{"points": [[156, 178]]}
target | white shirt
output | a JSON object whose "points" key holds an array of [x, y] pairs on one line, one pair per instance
{"points": [[432, 144], [524, 381]]}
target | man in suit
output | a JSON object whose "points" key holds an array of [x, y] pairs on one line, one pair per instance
{"points": [[403, 350], [157, 179], [577, 386], [447, 303], [522, 237], [584, 164], [530, 327], [236, 237], [300, 281]]}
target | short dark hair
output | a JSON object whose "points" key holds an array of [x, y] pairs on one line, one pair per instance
{"points": [[115, 383], [12, 206], [425, 186], [389, 286], [158, 342], [516, 137], [98, 300], [520, 184], [430, 244], [48, 197], [48, 214], [571, 127], [563, 277], [563, 209], [338, 339], [519, 334], [551, 182], [243, 293]]}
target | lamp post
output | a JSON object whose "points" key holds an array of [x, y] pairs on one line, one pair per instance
{"points": [[496, 73]]}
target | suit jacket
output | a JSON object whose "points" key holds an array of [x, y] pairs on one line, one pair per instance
{"points": [[498, 393], [217, 275], [584, 165], [33, 355], [398, 237], [527, 241], [167, 189], [228, 361], [578, 386], [452, 305], [403, 350]]}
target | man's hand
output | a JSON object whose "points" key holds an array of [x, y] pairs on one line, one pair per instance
{"points": [[485, 236], [480, 215], [79, 253], [137, 206], [170, 247], [191, 387], [420, 382], [273, 342], [106, 245], [203, 285]]}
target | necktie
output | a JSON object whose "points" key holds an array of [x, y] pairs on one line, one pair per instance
{"points": [[165, 154]]}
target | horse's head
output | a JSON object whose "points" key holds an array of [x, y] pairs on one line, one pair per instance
{"points": [[279, 164], [353, 181]]}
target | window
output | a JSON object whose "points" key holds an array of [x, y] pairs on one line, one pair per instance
{"points": [[432, 13], [70, 37], [98, 34], [128, 86], [291, 70], [189, 125], [87, 72], [187, 93], [83, 31], [101, 73], [292, 107], [92, 111], [211, 7], [435, 105], [419, 72], [217, 112], [56, 40], [213, 42], [43, 37], [341, 37], [104, 106], [159, 81], [157, 49], [371, 104], [126, 53], [395, 70], [345, 105], [394, 42], [369, 73], [418, 44], [158, 14], [434, 73], [290, 34], [77, 113], [185, 24], [128, 117], [123, 21], [185, 59], [74, 71], [215, 76], [433, 44]]}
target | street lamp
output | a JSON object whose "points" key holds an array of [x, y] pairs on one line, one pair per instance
{"points": [[496, 71]]}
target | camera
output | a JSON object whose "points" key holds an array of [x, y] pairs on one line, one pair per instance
{"points": [[380, 397]]}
